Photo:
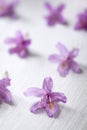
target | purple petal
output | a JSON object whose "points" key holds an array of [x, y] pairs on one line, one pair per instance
{"points": [[61, 19], [34, 92], [75, 67], [58, 97], [60, 8], [63, 50], [78, 26], [74, 52], [10, 40], [52, 109], [27, 42], [5, 95], [54, 58], [48, 6], [23, 53], [47, 84], [63, 70], [12, 50], [36, 107], [5, 82], [8, 98], [19, 36]]}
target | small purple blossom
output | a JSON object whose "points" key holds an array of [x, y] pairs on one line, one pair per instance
{"points": [[65, 60], [49, 100], [5, 94], [7, 9], [82, 21], [55, 15], [21, 44]]}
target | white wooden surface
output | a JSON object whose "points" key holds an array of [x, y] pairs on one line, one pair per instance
{"points": [[31, 71]]}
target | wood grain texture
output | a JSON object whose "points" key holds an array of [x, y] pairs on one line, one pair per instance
{"points": [[31, 71]]}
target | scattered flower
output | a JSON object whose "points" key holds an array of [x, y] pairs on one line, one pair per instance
{"points": [[21, 44], [7, 9], [82, 21], [55, 15], [5, 94], [65, 60], [49, 100]]}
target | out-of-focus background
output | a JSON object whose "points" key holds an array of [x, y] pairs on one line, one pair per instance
{"points": [[29, 72]]}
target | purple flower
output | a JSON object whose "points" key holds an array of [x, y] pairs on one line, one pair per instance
{"points": [[82, 21], [5, 94], [7, 9], [65, 60], [49, 100], [20, 43], [55, 15]]}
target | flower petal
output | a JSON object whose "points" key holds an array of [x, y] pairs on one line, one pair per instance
{"points": [[63, 50], [10, 40], [61, 19], [27, 42], [74, 52], [60, 8], [48, 6], [19, 36], [5, 95], [5, 82], [63, 71], [48, 84], [58, 97], [52, 109], [54, 58], [34, 92], [75, 67], [36, 107]]}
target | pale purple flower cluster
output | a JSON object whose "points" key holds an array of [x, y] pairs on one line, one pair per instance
{"points": [[49, 101]]}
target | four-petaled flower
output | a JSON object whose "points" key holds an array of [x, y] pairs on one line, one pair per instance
{"points": [[21, 44], [82, 21], [7, 9], [65, 60], [5, 94], [55, 15], [49, 100]]}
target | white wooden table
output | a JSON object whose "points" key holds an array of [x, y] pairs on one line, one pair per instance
{"points": [[31, 71]]}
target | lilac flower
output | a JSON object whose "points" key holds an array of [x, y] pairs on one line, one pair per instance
{"points": [[65, 60], [55, 15], [21, 44], [7, 9], [82, 21], [5, 94], [49, 100]]}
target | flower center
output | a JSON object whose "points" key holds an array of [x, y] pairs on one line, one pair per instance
{"points": [[51, 105], [54, 17], [64, 64], [2, 7], [83, 22]]}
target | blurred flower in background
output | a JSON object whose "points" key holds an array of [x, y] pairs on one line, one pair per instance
{"points": [[81, 21], [8, 9], [21, 43], [55, 14]]}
